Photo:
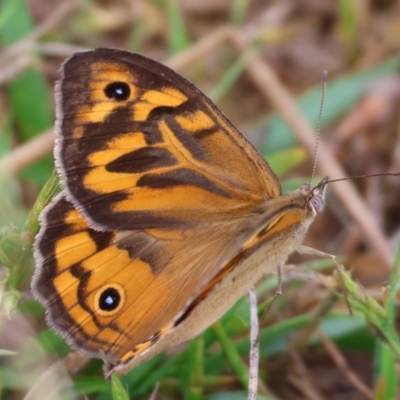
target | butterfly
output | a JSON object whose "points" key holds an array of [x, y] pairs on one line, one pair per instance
{"points": [[167, 216]]}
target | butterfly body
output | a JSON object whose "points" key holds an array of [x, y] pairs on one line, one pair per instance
{"points": [[168, 215]]}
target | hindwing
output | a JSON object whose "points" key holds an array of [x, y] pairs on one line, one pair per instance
{"points": [[108, 292]]}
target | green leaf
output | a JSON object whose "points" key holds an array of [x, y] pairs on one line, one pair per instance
{"points": [[348, 22], [235, 396], [386, 381], [117, 389], [232, 354], [194, 386], [231, 75], [283, 161], [178, 37], [90, 384], [29, 95]]}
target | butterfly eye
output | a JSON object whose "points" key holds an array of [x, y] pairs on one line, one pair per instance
{"points": [[304, 186], [109, 300], [317, 203], [119, 91]]}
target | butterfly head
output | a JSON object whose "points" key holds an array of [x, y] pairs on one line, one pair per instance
{"points": [[315, 195]]}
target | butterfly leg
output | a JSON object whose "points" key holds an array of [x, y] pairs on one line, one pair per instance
{"points": [[277, 293], [313, 252], [278, 290], [305, 250]]}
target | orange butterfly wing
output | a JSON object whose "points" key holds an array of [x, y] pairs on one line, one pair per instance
{"points": [[108, 292], [139, 146], [162, 192]]}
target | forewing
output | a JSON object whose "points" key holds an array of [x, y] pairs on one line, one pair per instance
{"points": [[139, 146]]}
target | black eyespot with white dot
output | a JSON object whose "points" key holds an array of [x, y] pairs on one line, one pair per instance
{"points": [[119, 91], [109, 299]]}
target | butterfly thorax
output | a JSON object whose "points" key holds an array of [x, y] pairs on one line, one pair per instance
{"points": [[291, 213]]}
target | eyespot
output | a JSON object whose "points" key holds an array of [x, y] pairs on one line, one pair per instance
{"points": [[109, 299], [119, 91], [317, 203]]}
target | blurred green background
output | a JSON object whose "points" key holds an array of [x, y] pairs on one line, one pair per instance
{"points": [[310, 347]]}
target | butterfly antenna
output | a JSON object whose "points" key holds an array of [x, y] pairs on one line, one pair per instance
{"points": [[324, 79], [360, 177]]}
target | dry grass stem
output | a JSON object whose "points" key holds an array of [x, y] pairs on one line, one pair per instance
{"points": [[341, 363], [25, 44], [154, 392], [26, 154], [254, 346], [270, 19], [320, 311], [304, 381], [14, 68], [199, 49], [55, 49], [31, 151], [50, 383]]}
